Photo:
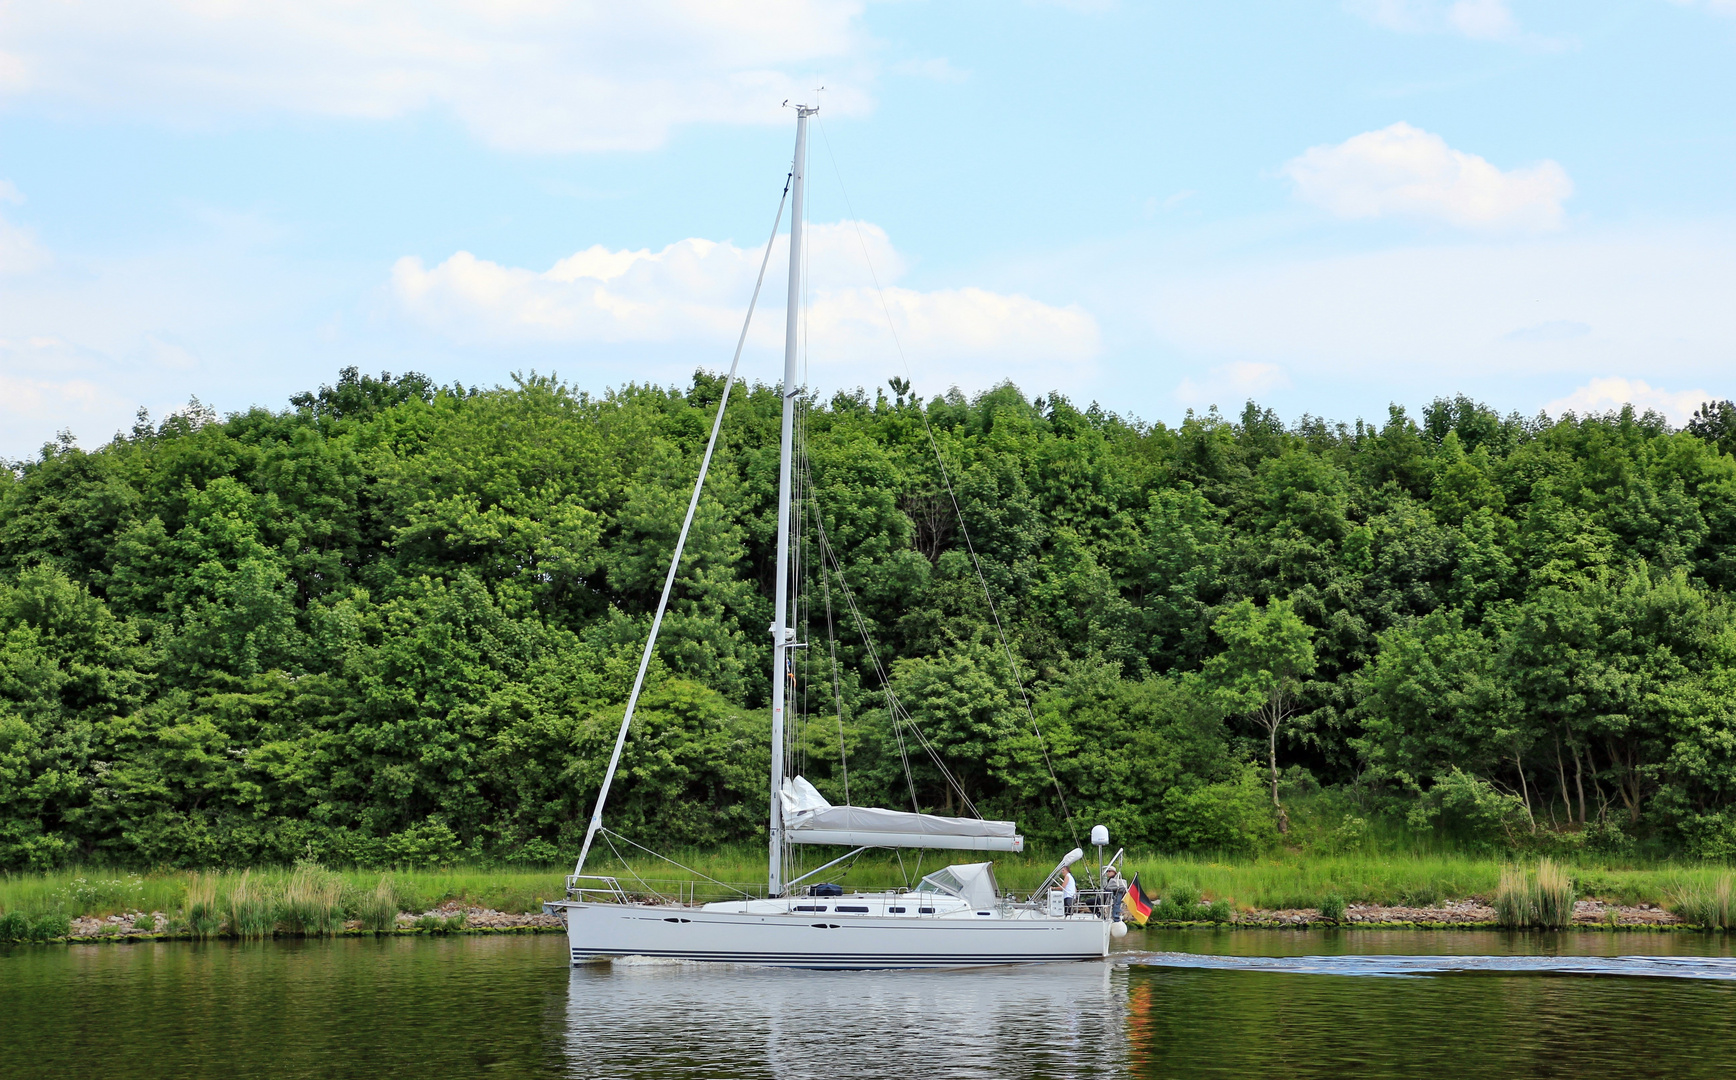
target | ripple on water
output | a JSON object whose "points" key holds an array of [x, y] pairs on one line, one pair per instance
{"points": [[1716, 968]]}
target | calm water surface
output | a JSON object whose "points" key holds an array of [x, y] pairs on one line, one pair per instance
{"points": [[1178, 1004]]}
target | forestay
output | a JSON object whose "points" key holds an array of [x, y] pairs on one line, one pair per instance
{"points": [[809, 819]]}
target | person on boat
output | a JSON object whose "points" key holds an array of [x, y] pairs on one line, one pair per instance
{"points": [[1069, 890], [1115, 888]]}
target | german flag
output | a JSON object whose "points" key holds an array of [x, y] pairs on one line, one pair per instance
{"points": [[1136, 907]]}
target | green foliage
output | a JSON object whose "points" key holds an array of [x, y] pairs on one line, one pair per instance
{"points": [[1332, 908], [1267, 653], [1469, 809], [1172, 909], [393, 626], [102, 896], [437, 924]]}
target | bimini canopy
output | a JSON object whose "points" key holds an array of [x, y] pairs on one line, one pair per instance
{"points": [[972, 882], [810, 819]]}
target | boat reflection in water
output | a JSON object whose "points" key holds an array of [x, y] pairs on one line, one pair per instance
{"points": [[635, 1018]]}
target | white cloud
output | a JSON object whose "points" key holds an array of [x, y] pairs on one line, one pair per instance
{"points": [[1554, 330], [695, 291], [1722, 7], [1607, 395], [540, 75], [1489, 20], [1478, 20], [19, 251], [86, 338], [1229, 385], [46, 385], [1405, 171], [1485, 20], [1545, 309], [939, 70]]}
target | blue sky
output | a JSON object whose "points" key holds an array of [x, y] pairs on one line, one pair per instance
{"points": [[1326, 206]]}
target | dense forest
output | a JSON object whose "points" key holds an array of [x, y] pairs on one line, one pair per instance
{"points": [[397, 622]]}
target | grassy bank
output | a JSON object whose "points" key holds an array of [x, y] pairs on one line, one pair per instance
{"points": [[305, 898], [1284, 880], [1405, 880], [1281, 881]]}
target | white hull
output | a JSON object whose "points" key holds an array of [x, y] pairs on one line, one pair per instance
{"points": [[832, 941]]}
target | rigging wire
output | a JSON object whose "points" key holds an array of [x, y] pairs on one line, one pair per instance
{"points": [[811, 508], [802, 479], [696, 873], [596, 822], [964, 529], [643, 884], [901, 717], [837, 687]]}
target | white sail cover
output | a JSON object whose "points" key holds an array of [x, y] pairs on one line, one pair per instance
{"points": [[810, 819], [972, 882]]}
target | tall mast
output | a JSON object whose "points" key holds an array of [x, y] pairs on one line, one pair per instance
{"points": [[782, 633]]}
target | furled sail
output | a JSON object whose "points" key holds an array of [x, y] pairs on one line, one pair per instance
{"points": [[809, 819]]}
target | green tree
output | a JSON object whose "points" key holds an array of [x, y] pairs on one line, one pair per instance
{"points": [[1268, 652]]}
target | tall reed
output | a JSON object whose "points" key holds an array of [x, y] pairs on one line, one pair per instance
{"points": [[310, 903], [379, 910], [1542, 897], [1553, 896], [1513, 898], [250, 908], [1704, 905], [204, 914]]}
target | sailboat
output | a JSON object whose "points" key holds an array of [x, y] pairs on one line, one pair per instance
{"points": [[954, 917]]}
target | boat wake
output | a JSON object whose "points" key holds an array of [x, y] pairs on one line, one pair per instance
{"points": [[1715, 968]]}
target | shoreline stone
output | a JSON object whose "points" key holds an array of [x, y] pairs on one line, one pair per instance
{"points": [[1473, 912], [96, 928], [1468, 914]]}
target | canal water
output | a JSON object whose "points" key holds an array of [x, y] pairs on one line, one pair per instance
{"points": [[1288, 1004]]}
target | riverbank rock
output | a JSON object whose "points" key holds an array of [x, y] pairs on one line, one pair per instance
{"points": [[93, 926], [1597, 912], [482, 918], [1469, 912], [1455, 912]]}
